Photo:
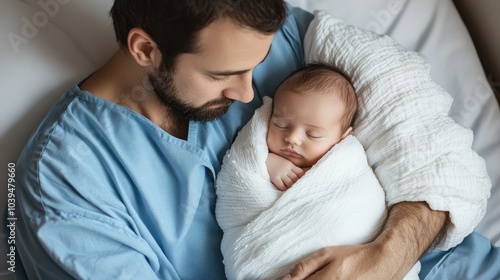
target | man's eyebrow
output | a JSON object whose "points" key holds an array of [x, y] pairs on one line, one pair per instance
{"points": [[228, 73], [237, 72]]}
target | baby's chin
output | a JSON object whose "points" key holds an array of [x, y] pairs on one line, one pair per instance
{"points": [[299, 162]]}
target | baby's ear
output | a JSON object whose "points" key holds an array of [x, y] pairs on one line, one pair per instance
{"points": [[347, 133]]}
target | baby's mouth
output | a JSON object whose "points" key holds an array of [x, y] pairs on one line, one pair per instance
{"points": [[290, 152]]}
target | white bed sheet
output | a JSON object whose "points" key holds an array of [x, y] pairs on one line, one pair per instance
{"points": [[73, 38]]}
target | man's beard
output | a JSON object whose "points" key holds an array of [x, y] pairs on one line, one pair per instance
{"points": [[163, 87]]}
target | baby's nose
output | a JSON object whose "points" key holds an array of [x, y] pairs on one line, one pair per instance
{"points": [[294, 138]]}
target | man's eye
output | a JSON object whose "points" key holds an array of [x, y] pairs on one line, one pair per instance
{"points": [[219, 79]]}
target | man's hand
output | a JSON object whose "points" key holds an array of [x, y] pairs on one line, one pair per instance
{"points": [[282, 172], [410, 229], [344, 262]]}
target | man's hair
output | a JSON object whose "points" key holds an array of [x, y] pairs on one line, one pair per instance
{"points": [[325, 79], [175, 24]]}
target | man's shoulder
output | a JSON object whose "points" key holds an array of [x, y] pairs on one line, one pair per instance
{"points": [[300, 18], [55, 137], [41, 135]]}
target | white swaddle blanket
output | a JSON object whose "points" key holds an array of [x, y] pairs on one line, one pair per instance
{"points": [[338, 201]]}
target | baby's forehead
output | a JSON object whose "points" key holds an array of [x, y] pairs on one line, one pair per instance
{"points": [[312, 107], [284, 96], [330, 84]]}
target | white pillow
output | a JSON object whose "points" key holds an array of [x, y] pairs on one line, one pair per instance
{"points": [[416, 150]]}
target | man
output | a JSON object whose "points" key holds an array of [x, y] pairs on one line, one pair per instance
{"points": [[118, 180]]}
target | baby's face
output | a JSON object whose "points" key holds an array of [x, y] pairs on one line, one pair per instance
{"points": [[304, 127]]}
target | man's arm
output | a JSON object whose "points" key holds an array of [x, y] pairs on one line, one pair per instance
{"points": [[410, 229]]}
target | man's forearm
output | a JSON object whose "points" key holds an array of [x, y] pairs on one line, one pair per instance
{"points": [[410, 229]]}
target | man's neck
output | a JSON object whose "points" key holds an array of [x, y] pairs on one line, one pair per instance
{"points": [[123, 82]]}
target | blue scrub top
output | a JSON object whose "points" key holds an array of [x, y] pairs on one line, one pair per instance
{"points": [[104, 193]]}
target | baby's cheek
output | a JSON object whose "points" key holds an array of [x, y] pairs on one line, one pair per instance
{"points": [[272, 143], [317, 151]]}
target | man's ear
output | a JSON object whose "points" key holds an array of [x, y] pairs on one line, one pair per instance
{"points": [[347, 133], [143, 48]]}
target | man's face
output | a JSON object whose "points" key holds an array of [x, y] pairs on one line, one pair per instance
{"points": [[204, 84]]}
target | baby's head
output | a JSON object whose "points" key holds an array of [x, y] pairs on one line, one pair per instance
{"points": [[313, 110]]}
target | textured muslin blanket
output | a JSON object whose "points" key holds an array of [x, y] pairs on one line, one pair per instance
{"points": [[338, 201], [416, 150]]}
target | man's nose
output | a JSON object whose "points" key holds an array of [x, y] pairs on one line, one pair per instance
{"points": [[241, 89], [294, 137]]}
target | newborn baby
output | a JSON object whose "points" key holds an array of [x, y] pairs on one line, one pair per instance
{"points": [[296, 181]]}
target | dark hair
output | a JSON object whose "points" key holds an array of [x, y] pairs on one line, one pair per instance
{"points": [[322, 78], [174, 24]]}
